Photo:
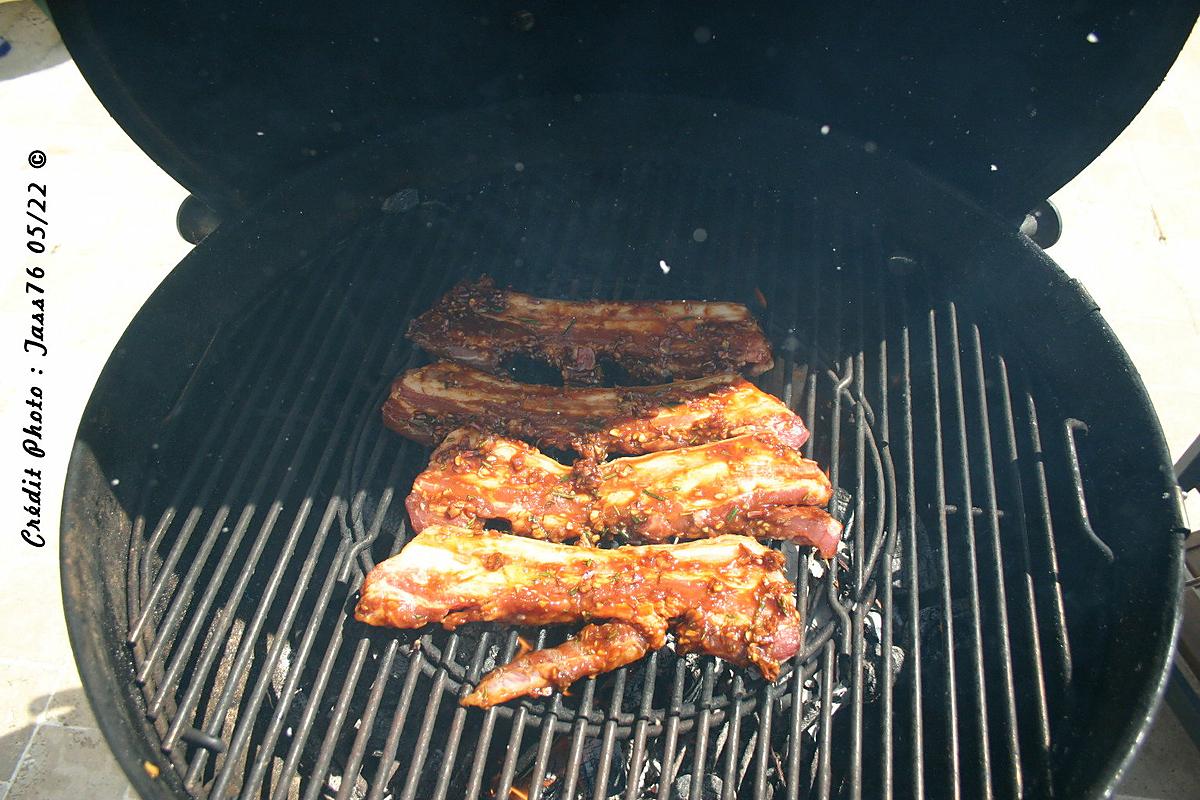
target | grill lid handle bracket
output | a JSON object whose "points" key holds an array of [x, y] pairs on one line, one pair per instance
{"points": [[1043, 224], [195, 220], [1071, 426]]}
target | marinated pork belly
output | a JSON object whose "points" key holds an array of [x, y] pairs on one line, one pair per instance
{"points": [[427, 403], [804, 525], [725, 596], [594, 650], [477, 324], [749, 484]]}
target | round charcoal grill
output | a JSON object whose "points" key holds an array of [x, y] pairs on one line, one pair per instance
{"points": [[998, 623], [941, 646]]}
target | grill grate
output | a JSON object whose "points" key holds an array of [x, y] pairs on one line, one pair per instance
{"points": [[274, 486]]}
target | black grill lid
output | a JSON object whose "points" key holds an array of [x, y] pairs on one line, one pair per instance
{"points": [[1006, 102]]}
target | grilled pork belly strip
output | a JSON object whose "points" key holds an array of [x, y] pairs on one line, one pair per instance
{"points": [[477, 324], [725, 596], [429, 402], [802, 525], [594, 650], [750, 484]]}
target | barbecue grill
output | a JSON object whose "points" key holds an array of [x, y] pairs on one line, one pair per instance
{"points": [[1004, 612]]}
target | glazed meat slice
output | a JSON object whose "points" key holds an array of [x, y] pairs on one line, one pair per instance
{"points": [[805, 525], [726, 597], [475, 477], [595, 649], [734, 486], [427, 403], [749, 484], [482, 326]]}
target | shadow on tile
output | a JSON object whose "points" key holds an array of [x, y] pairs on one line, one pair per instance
{"points": [[69, 707], [67, 763], [34, 752], [24, 690], [1168, 766], [63, 763]]}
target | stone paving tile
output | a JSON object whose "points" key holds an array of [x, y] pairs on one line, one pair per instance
{"points": [[68, 763], [33, 628], [69, 707], [24, 692], [1168, 766]]}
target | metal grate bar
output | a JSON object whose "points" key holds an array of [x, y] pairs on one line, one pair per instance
{"points": [[796, 718], [183, 714], [241, 385], [545, 743], [726, 249], [885, 580], [141, 636], [460, 718], [305, 724], [916, 727], [802, 584], [575, 755], [399, 718], [972, 559], [612, 222], [325, 591], [490, 716], [671, 733], [733, 743], [617, 689], [703, 721], [298, 662], [517, 731], [825, 743], [425, 734], [992, 518], [485, 736], [429, 278], [951, 689], [638, 753], [824, 777], [762, 745], [353, 673], [1029, 598], [250, 636], [608, 737], [1059, 615], [387, 763], [729, 249], [860, 546]]}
